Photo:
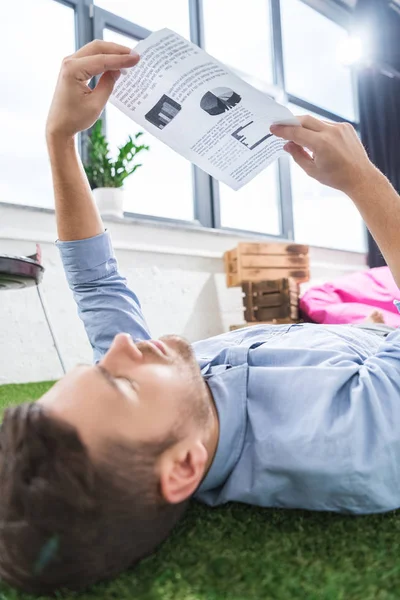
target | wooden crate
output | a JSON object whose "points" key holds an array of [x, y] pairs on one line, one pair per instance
{"points": [[261, 262], [269, 300]]}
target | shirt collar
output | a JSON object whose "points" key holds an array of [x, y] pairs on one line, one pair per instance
{"points": [[229, 390]]}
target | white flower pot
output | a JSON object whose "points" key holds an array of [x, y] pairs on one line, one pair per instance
{"points": [[110, 201]]}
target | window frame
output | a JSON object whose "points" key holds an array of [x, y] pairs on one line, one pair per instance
{"points": [[340, 15], [90, 22], [103, 19], [336, 12], [206, 198]]}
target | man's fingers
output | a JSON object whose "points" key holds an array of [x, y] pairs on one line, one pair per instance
{"points": [[85, 68], [311, 123], [299, 135], [105, 86], [101, 47], [306, 135], [300, 156]]}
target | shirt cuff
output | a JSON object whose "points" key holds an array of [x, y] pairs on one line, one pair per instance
{"points": [[87, 260]]}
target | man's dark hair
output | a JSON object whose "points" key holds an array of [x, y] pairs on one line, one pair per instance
{"points": [[67, 521]]}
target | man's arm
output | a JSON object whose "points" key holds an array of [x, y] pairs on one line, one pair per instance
{"points": [[379, 205], [372, 391], [75, 108], [76, 212], [340, 161], [105, 304]]}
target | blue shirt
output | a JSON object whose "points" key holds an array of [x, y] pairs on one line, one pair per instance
{"points": [[309, 414]]}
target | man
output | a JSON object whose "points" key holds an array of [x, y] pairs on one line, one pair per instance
{"points": [[96, 473]]}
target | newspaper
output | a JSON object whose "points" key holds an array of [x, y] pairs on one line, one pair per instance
{"points": [[201, 109]]}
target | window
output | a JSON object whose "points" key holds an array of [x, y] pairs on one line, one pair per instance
{"points": [[289, 50], [162, 186], [313, 71], [324, 216], [28, 78], [255, 207], [249, 55], [152, 14]]}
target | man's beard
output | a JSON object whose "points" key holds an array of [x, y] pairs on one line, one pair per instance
{"points": [[198, 400], [182, 348]]}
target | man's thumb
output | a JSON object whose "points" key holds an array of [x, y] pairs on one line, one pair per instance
{"points": [[105, 86], [300, 156]]}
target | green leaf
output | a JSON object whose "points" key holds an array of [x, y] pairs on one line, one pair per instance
{"points": [[100, 169]]}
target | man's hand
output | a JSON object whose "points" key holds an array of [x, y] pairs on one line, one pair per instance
{"points": [[338, 158], [75, 105]]}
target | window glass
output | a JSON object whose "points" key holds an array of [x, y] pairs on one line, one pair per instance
{"points": [[256, 206], [224, 25], [152, 14], [162, 186], [28, 78], [313, 71], [324, 216]]}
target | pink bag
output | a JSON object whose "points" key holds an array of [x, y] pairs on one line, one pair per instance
{"points": [[352, 298]]}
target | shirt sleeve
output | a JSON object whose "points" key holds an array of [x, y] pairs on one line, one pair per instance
{"points": [[105, 303]]}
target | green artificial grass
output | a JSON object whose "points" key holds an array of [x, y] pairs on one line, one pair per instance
{"points": [[242, 553], [17, 394]]}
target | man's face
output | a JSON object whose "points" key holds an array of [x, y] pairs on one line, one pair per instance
{"points": [[138, 392]]}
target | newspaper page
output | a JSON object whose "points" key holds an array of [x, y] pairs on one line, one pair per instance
{"points": [[197, 106]]}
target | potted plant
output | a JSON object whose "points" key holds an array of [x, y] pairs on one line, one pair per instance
{"points": [[107, 176]]}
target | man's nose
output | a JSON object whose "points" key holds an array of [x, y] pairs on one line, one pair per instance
{"points": [[123, 345]]}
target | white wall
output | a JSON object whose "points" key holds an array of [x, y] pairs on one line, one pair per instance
{"points": [[177, 273]]}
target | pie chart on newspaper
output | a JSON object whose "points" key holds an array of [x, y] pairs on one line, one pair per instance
{"points": [[219, 100]]}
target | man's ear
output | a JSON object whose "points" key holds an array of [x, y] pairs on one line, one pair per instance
{"points": [[181, 469]]}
